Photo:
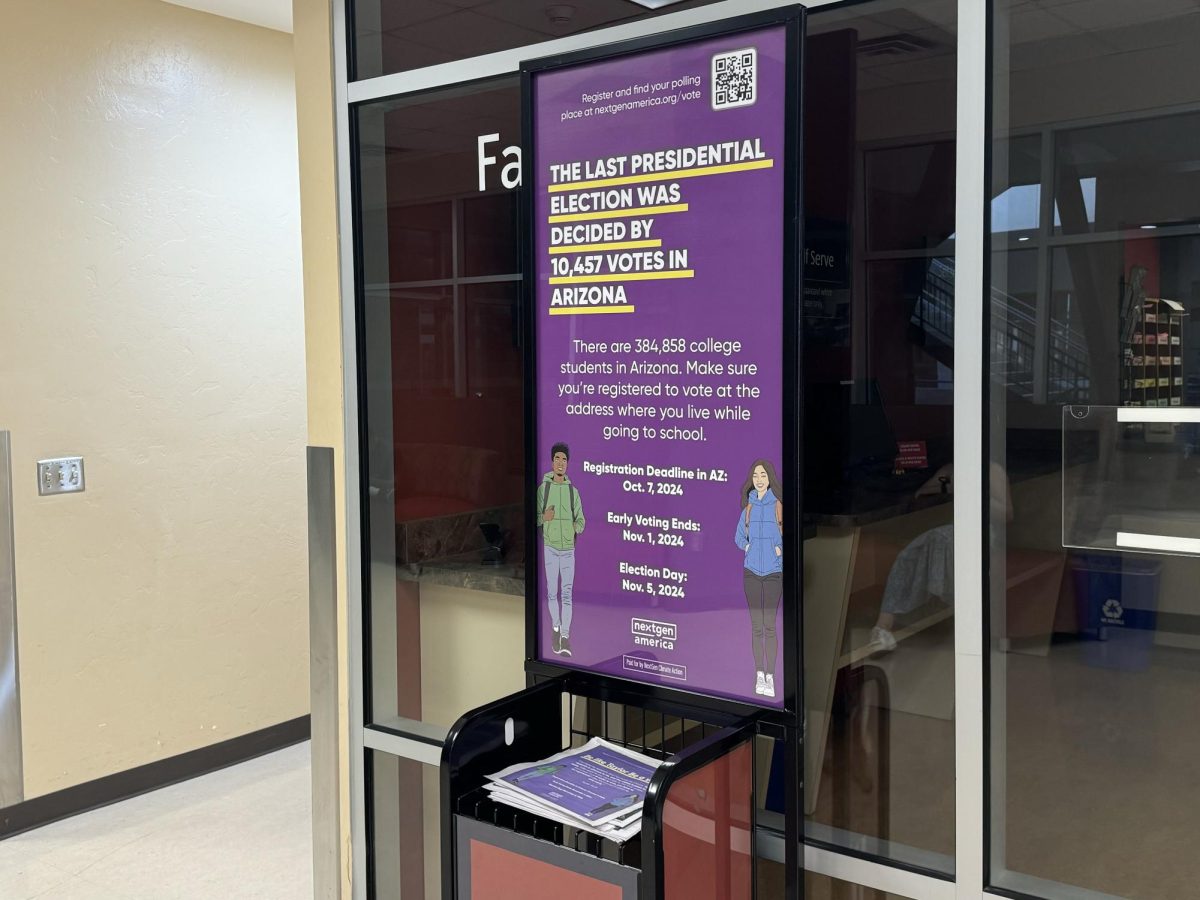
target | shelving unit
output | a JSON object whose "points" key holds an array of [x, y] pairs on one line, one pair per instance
{"points": [[1152, 374]]}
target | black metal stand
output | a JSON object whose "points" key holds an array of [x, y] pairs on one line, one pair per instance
{"points": [[699, 817], [701, 822]]}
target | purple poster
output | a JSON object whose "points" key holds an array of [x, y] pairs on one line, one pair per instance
{"points": [[659, 205]]}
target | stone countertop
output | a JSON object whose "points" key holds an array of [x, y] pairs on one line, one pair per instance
{"points": [[467, 572]]}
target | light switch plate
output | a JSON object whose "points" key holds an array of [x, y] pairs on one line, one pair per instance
{"points": [[60, 476]]}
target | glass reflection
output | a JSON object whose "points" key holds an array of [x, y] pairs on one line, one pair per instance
{"points": [[1095, 381], [879, 304], [442, 401], [392, 37]]}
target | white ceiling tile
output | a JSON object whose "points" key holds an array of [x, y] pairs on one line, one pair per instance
{"points": [[275, 14]]}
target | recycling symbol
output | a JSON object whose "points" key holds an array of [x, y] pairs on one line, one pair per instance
{"points": [[1113, 610]]}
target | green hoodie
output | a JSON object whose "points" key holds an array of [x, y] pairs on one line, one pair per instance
{"points": [[558, 532]]}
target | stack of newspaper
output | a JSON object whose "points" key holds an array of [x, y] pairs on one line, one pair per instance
{"points": [[598, 787]]}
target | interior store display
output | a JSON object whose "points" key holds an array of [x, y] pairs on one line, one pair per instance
{"points": [[1152, 352]]}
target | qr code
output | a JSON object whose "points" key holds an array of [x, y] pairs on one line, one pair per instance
{"points": [[733, 81]]}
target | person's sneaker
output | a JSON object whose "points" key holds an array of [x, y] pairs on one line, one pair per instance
{"points": [[565, 646], [557, 644], [882, 640], [769, 690], [760, 684]]}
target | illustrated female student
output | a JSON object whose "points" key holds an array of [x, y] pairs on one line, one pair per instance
{"points": [[760, 536]]}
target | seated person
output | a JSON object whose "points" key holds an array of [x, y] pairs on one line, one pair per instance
{"points": [[924, 570]]}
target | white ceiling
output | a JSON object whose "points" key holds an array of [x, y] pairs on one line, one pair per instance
{"points": [[275, 14]]}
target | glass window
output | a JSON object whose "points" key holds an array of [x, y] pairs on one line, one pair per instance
{"points": [[816, 886], [442, 400], [405, 825], [1127, 175], [1017, 205], [910, 202], [879, 465], [393, 36], [1095, 390], [441, 405]]}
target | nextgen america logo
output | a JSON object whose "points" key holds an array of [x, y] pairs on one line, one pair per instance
{"points": [[649, 633]]}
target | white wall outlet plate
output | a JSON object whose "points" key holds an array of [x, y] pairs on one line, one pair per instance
{"points": [[60, 476]]}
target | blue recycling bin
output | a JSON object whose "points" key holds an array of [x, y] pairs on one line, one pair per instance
{"points": [[1116, 596]]}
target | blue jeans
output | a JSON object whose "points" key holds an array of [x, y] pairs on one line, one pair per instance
{"points": [[559, 564]]}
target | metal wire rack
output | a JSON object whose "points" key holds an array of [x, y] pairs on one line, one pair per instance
{"points": [[655, 734]]}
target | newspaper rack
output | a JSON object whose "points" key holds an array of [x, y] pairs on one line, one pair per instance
{"points": [[697, 838]]}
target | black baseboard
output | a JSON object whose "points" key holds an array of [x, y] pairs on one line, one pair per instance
{"points": [[123, 785]]}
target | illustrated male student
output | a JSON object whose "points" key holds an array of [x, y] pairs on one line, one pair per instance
{"points": [[539, 772], [560, 516]]}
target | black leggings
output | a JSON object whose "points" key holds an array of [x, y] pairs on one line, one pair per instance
{"points": [[762, 596]]}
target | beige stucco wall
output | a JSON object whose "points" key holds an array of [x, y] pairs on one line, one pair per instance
{"points": [[151, 321]]}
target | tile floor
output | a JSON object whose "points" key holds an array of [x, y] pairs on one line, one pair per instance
{"points": [[243, 833]]}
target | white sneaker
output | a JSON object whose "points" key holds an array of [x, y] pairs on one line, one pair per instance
{"points": [[760, 685], [769, 691], [882, 640]]}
